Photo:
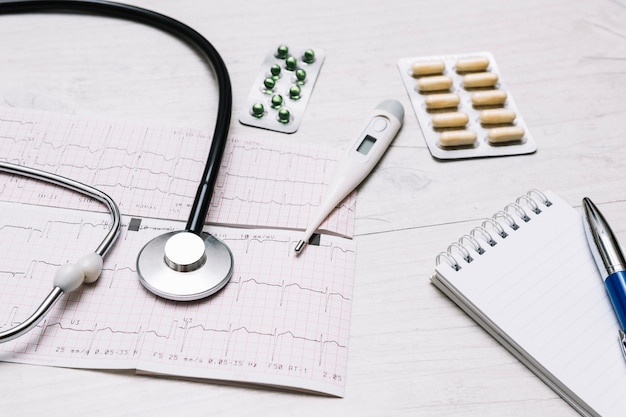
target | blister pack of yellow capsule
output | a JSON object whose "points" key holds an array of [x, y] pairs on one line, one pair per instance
{"points": [[463, 107], [282, 88]]}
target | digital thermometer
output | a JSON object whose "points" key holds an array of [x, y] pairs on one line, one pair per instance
{"points": [[359, 160]]}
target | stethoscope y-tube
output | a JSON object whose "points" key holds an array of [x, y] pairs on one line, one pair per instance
{"points": [[70, 276], [186, 265]]}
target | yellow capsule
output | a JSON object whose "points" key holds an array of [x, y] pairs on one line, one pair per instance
{"points": [[497, 116], [505, 134], [442, 101], [480, 79], [488, 98], [452, 119], [457, 138], [434, 83], [472, 64], [419, 69]]}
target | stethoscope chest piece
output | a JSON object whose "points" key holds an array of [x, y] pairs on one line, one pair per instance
{"points": [[185, 266]]}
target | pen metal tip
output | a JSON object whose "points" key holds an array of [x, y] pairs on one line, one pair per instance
{"points": [[299, 246]]}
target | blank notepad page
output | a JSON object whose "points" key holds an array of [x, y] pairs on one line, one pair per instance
{"points": [[542, 292]]}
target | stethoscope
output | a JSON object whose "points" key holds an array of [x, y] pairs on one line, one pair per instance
{"points": [[183, 265]]}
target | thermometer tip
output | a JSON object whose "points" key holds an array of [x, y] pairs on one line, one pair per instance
{"points": [[299, 246]]}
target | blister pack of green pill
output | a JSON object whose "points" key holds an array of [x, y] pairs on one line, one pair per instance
{"points": [[282, 88]]}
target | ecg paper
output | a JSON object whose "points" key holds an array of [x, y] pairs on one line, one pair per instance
{"points": [[154, 172], [282, 320]]}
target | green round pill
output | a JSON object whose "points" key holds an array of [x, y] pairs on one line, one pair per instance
{"points": [[291, 63], [300, 76], [284, 115], [277, 101], [275, 71], [294, 92], [282, 51], [269, 83], [258, 110], [309, 56]]}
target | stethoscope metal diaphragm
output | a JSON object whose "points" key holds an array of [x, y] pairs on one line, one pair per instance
{"points": [[185, 266]]}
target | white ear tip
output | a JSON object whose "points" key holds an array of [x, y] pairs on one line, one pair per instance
{"points": [[91, 265], [69, 277]]}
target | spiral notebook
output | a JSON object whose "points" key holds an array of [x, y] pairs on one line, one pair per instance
{"points": [[527, 276]]}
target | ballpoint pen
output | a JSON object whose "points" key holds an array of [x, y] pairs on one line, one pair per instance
{"points": [[610, 262]]}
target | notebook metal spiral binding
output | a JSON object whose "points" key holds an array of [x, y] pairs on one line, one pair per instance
{"points": [[494, 224], [471, 243], [521, 213], [541, 196], [510, 221], [531, 203], [485, 235]]}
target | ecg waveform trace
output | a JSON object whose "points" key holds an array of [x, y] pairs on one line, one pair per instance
{"points": [[282, 320], [154, 172]]}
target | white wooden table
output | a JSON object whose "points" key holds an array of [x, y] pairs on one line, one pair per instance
{"points": [[412, 352]]}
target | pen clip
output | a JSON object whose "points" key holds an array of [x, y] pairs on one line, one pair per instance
{"points": [[622, 342]]}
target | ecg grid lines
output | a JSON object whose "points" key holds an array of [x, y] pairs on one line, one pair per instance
{"points": [[282, 320], [154, 172], [270, 323]]}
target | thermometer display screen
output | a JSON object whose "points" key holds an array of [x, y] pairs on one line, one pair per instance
{"points": [[365, 146]]}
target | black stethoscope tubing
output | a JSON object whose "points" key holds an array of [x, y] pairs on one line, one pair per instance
{"points": [[204, 193], [88, 268]]}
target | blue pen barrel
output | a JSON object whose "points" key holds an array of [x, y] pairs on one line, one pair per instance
{"points": [[616, 286]]}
